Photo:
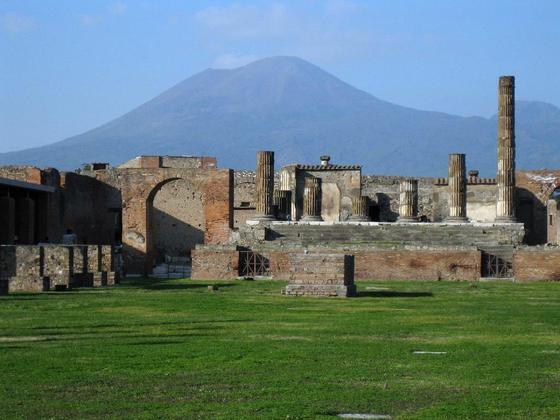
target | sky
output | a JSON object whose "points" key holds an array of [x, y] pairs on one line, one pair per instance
{"points": [[68, 66]]}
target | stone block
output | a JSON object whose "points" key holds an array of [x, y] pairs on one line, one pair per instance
{"points": [[321, 275]]}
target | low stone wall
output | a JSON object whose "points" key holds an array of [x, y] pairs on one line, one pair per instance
{"points": [[373, 264], [320, 275], [53, 267], [215, 263], [418, 265], [534, 264]]}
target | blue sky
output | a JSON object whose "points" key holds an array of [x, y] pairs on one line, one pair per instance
{"points": [[67, 66]]}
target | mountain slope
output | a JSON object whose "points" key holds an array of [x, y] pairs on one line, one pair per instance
{"points": [[290, 106]]}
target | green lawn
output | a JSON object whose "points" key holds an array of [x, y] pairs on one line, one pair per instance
{"points": [[171, 348]]}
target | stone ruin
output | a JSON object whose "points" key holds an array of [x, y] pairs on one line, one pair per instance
{"points": [[163, 208]]}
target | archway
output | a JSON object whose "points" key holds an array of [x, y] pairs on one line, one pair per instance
{"points": [[175, 219]]}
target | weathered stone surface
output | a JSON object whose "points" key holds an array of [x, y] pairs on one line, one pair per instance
{"points": [[408, 204], [282, 202], [265, 185], [505, 176], [53, 267], [312, 200], [320, 275], [359, 209], [536, 264], [215, 263], [457, 189]]}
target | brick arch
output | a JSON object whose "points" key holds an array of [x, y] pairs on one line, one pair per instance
{"points": [[139, 188], [175, 220]]}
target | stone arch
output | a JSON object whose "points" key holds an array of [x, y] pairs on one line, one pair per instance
{"points": [[175, 220]]}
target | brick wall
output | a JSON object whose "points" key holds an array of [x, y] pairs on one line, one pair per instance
{"points": [[215, 264], [212, 263], [536, 264]]}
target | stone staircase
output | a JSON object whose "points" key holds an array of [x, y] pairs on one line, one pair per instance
{"points": [[396, 235], [173, 267]]}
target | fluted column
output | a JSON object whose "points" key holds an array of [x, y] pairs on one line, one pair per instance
{"points": [[408, 203], [282, 202], [359, 209], [505, 177], [457, 189], [312, 200], [265, 185]]}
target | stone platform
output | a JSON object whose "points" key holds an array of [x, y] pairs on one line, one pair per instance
{"points": [[320, 275], [383, 235]]}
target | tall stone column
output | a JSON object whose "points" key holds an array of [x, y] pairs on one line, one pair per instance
{"points": [[7, 220], [408, 203], [312, 200], [505, 177], [359, 209], [282, 202], [265, 185], [457, 189]]}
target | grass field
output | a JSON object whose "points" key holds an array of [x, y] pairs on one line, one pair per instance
{"points": [[171, 348]]}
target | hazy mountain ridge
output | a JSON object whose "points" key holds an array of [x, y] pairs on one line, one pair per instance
{"points": [[293, 107]]}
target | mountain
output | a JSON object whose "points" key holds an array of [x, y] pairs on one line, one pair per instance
{"points": [[293, 107]]}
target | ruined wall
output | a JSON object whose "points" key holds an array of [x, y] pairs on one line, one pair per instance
{"points": [[433, 199], [337, 189], [370, 264], [534, 264], [215, 263], [31, 268], [91, 209], [177, 162], [139, 188], [177, 219], [21, 173]]}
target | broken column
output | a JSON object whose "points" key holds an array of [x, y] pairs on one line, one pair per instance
{"points": [[457, 189], [359, 209], [7, 220], [408, 203], [265, 185], [282, 201], [312, 200], [505, 177]]}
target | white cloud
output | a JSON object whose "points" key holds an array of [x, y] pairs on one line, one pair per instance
{"points": [[14, 22], [232, 60], [117, 8], [323, 32]]}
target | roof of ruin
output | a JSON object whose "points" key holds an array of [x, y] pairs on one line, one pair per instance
{"points": [[26, 185]]}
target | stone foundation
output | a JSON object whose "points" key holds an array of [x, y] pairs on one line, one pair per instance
{"points": [[320, 275], [30, 268]]}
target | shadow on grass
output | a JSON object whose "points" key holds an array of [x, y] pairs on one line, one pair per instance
{"points": [[168, 284], [390, 293]]}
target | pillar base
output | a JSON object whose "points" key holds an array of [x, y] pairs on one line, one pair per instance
{"points": [[456, 219], [358, 218], [505, 219], [311, 219], [263, 218], [407, 219]]}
